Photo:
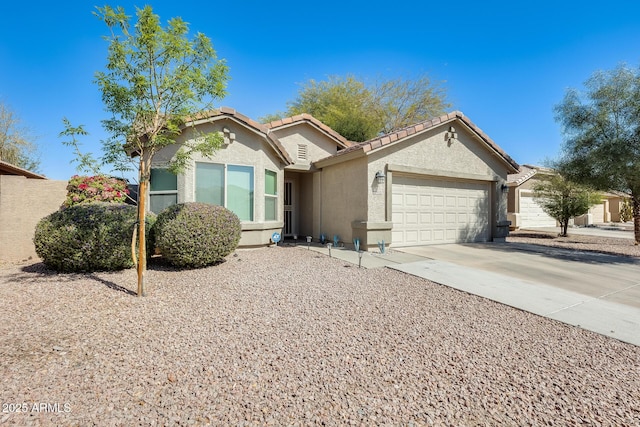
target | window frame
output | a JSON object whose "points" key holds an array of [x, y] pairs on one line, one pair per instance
{"points": [[225, 188], [161, 192], [269, 196]]}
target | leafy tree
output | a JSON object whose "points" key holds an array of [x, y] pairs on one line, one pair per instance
{"points": [[407, 102], [86, 162], [563, 200], [156, 79], [16, 142], [626, 210], [345, 105], [602, 134], [360, 112]]}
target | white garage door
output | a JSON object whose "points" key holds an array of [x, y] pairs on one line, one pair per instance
{"points": [[598, 213], [431, 211], [531, 213]]}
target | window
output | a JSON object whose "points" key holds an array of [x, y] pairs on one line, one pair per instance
{"points": [[163, 190], [270, 195], [230, 186], [240, 191], [210, 183]]}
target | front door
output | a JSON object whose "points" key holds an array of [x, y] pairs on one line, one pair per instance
{"points": [[290, 227]]}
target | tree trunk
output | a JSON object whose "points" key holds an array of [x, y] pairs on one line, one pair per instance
{"points": [[142, 213], [564, 225], [635, 198]]}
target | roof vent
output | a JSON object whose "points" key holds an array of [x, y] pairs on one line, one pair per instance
{"points": [[302, 151]]}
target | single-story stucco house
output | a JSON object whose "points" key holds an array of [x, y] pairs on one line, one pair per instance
{"points": [[439, 181], [525, 212]]}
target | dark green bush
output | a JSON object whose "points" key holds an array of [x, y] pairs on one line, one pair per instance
{"points": [[89, 237], [196, 234]]}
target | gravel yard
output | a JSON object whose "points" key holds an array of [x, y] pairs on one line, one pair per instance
{"points": [[286, 336], [608, 245]]}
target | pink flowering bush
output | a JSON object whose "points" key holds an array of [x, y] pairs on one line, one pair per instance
{"points": [[99, 188]]}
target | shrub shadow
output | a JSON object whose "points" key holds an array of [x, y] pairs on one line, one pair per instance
{"points": [[31, 273]]}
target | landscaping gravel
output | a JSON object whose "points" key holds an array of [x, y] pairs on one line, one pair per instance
{"points": [[287, 336], [608, 245]]}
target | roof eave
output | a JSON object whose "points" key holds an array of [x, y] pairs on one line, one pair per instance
{"points": [[16, 170]]}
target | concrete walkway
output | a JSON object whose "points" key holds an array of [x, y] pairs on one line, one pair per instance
{"points": [[369, 259], [597, 292]]}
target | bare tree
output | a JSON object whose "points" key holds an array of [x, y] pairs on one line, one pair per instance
{"points": [[16, 141]]}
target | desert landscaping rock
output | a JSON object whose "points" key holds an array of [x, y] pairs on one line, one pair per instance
{"points": [[286, 336]]}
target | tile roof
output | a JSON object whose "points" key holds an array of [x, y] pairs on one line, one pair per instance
{"points": [[9, 169], [525, 173], [246, 121], [308, 118], [381, 141]]}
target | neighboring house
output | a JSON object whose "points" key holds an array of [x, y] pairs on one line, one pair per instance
{"points": [[525, 212], [439, 181], [25, 198], [523, 209]]}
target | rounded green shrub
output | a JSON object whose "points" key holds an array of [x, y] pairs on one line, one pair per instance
{"points": [[196, 234], [89, 237]]}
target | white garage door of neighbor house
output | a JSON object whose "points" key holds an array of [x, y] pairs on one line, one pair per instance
{"points": [[532, 214], [432, 211]]}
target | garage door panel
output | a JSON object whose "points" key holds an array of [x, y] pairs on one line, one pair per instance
{"points": [[451, 202], [532, 214], [426, 235], [411, 200], [411, 218], [445, 212], [411, 236], [425, 201]]}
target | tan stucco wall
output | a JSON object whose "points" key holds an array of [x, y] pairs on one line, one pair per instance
{"points": [[307, 204], [318, 144], [248, 149], [428, 155], [344, 198], [24, 202], [615, 206]]}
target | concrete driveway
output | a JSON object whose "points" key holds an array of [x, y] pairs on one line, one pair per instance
{"points": [[597, 292]]}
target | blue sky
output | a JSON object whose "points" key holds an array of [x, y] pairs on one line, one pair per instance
{"points": [[504, 64]]}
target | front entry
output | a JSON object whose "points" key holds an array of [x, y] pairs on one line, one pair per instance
{"points": [[290, 227]]}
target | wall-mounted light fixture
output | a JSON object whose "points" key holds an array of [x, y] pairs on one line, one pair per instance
{"points": [[504, 188], [380, 177]]}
